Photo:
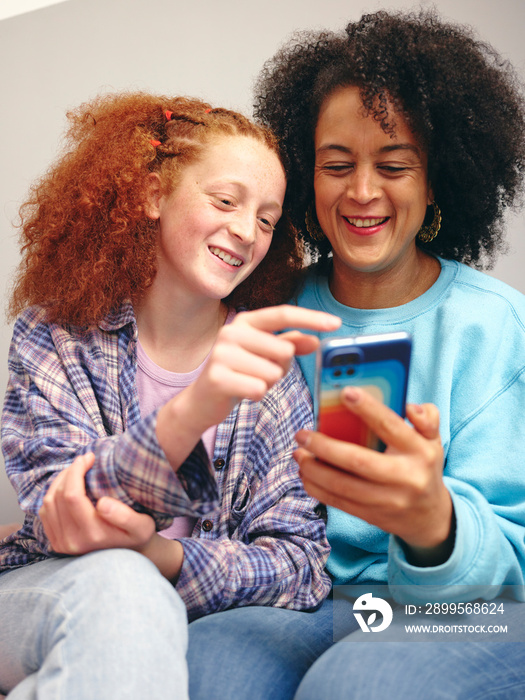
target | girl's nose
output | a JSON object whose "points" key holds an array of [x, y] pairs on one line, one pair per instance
{"points": [[243, 228]]}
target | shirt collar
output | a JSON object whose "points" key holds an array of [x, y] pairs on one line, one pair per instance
{"points": [[117, 319]]}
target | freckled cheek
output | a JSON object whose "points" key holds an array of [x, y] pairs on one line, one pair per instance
{"points": [[178, 241]]}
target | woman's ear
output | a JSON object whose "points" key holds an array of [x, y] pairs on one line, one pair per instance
{"points": [[430, 197], [153, 196]]}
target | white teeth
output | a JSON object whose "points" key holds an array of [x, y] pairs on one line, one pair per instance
{"points": [[362, 223], [226, 257]]}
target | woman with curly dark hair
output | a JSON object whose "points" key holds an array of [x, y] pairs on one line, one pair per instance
{"points": [[127, 374], [404, 141]]}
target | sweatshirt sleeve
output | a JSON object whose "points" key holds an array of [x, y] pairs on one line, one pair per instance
{"points": [[485, 476]]}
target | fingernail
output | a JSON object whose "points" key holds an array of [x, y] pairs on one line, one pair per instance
{"points": [[351, 394], [335, 321], [303, 438], [417, 408]]}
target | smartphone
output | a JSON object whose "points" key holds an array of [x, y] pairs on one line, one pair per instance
{"points": [[378, 364]]}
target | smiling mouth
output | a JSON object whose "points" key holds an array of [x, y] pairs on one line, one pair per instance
{"points": [[366, 223], [226, 257]]}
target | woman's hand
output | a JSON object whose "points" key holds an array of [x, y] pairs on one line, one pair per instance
{"points": [[401, 490], [246, 361], [75, 526]]}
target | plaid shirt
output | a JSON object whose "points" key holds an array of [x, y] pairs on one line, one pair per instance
{"points": [[259, 539]]}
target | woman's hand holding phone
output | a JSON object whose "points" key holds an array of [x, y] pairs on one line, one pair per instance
{"points": [[400, 490]]}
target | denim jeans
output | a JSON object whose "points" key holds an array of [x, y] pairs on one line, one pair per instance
{"points": [[255, 653], [105, 625], [275, 654]]}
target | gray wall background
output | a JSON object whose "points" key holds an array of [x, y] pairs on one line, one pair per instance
{"points": [[55, 58]]}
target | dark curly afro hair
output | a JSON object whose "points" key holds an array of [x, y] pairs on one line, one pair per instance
{"points": [[463, 101]]}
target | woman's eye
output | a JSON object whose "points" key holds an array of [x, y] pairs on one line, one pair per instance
{"points": [[392, 169], [337, 168]]}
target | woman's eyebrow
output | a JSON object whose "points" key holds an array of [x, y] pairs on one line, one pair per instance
{"points": [[333, 147], [385, 149], [401, 147]]}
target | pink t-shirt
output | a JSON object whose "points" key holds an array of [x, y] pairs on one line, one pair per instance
{"points": [[155, 387]]}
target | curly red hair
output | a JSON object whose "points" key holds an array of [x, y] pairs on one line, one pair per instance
{"points": [[87, 244]]}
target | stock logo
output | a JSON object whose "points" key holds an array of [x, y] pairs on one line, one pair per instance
{"points": [[367, 603]]}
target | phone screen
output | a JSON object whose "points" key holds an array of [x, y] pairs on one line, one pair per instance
{"points": [[379, 366]]}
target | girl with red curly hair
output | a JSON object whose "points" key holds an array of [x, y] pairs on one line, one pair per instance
{"points": [[140, 401]]}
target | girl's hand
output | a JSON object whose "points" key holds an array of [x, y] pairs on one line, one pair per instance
{"points": [[246, 361], [75, 526], [401, 490]]}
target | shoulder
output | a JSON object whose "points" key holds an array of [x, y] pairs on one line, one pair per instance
{"points": [[37, 342], [478, 331], [31, 320], [478, 290], [33, 325], [32, 339], [478, 318]]}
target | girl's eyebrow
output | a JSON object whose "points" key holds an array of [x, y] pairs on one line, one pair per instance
{"points": [[243, 188]]}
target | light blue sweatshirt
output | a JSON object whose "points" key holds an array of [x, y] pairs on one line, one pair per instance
{"points": [[468, 358]]}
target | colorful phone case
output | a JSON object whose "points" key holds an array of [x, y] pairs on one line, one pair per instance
{"points": [[378, 364]]}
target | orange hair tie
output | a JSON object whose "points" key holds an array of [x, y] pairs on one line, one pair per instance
{"points": [[168, 114], [154, 142]]}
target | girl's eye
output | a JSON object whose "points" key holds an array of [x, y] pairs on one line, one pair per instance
{"points": [[267, 225], [223, 201]]}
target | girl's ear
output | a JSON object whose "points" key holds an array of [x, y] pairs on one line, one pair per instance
{"points": [[153, 196]]}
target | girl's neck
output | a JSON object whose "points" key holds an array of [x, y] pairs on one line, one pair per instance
{"points": [[178, 331]]}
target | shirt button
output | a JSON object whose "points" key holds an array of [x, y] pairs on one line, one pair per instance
{"points": [[207, 525], [219, 463]]}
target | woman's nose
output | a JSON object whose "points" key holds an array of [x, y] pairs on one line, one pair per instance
{"points": [[363, 186]]}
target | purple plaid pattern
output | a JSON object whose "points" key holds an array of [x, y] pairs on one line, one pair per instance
{"points": [[259, 539]]}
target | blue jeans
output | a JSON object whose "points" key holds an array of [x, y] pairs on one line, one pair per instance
{"points": [[275, 654], [106, 625], [255, 652]]}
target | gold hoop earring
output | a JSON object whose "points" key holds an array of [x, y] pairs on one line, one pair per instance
{"points": [[312, 225], [428, 233]]}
